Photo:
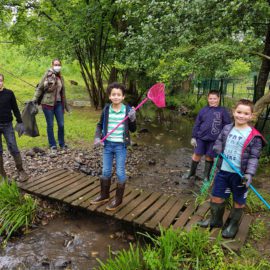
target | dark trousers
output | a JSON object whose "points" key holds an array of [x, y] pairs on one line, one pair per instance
{"points": [[7, 130]]}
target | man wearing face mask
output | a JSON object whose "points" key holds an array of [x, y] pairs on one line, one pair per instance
{"points": [[50, 93]]}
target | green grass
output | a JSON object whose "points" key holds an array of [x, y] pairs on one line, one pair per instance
{"points": [[80, 127], [16, 210]]}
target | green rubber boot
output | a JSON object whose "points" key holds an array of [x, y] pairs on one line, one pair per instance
{"points": [[216, 219], [193, 168], [231, 230], [207, 169]]}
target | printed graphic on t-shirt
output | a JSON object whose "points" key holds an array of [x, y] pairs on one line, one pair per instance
{"points": [[233, 148], [216, 123]]}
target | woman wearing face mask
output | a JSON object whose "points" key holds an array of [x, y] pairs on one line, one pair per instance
{"points": [[50, 93]]}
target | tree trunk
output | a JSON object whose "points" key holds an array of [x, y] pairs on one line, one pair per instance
{"points": [[265, 68]]}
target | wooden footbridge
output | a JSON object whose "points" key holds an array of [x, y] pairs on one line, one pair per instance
{"points": [[143, 208]]}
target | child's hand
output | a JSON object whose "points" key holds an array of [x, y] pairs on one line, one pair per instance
{"points": [[193, 142], [132, 115], [247, 179], [97, 142]]}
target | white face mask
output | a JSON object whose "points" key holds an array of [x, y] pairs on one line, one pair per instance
{"points": [[57, 68]]}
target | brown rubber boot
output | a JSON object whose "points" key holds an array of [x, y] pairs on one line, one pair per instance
{"points": [[104, 196], [115, 203], [2, 169], [23, 176]]}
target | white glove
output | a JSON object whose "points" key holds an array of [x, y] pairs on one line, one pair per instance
{"points": [[193, 142], [97, 142], [132, 115], [247, 179]]}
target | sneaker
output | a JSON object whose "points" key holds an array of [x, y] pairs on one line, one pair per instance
{"points": [[65, 147], [53, 149]]}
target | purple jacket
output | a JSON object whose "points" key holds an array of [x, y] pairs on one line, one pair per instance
{"points": [[209, 123], [251, 150]]}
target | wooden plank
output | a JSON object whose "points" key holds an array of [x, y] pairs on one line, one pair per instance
{"points": [[80, 195], [152, 210], [90, 196], [54, 182], [102, 208], [156, 219], [51, 181], [62, 185], [133, 204], [42, 179], [142, 207], [182, 220], [127, 199], [87, 193], [172, 214], [198, 215], [38, 177], [81, 183], [242, 233]]}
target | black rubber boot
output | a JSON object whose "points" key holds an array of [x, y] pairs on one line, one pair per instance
{"points": [[216, 219], [23, 176], [104, 196], [231, 230], [193, 168], [2, 169], [118, 197], [207, 169]]}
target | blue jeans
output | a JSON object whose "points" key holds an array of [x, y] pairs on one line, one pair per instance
{"points": [[7, 130], [119, 151], [58, 112]]}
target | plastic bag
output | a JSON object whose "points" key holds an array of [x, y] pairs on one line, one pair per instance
{"points": [[29, 119]]}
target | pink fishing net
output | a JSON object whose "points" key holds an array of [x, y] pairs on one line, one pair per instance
{"points": [[157, 94]]}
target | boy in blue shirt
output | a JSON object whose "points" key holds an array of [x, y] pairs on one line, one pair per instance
{"points": [[115, 146], [241, 144], [209, 123]]}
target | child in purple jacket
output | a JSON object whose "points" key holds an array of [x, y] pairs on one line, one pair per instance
{"points": [[241, 144], [208, 125]]}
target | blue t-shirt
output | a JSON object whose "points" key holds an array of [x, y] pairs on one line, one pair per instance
{"points": [[233, 148]]}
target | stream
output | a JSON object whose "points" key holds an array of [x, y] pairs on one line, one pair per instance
{"points": [[75, 239]]}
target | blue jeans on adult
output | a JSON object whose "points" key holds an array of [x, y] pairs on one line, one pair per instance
{"points": [[7, 130], [58, 112], [118, 151]]}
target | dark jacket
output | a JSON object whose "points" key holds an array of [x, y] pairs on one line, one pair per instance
{"points": [[8, 104], [102, 126], [209, 123], [250, 152]]}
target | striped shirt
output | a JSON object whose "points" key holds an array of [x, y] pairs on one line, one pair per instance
{"points": [[114, 119]]}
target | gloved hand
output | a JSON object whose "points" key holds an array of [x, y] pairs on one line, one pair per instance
{"points": [[20, 129], [97, 142], [193, 142], [247, 179], [132, 115]]}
